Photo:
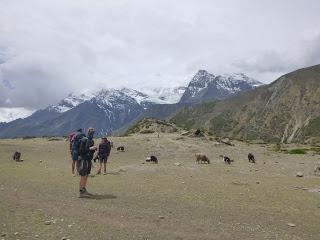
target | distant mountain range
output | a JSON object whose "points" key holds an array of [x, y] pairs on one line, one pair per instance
{"points": [[287, 110], [110, 110]]}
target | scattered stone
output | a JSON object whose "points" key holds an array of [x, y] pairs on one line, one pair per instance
{"points": [[264, 162], [64, 238], [276, 162], [291, 224], [36, 236], [122, 170], [2, 189], [185, 133], [47, 222], [177, 164], [161, 217], [305, 189], [183, 182], [69, 225], [314, 190], [299, 174], [3, 234], [227, 141], [301, 163], [40, 161], [257, 182], [16, 233], [239, 183]]}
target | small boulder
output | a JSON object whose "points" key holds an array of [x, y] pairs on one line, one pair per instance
{"points": [[291, 224], [177, 164], [47, 222], [299, 174]]}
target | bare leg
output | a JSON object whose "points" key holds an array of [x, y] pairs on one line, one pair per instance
{"points": [[73, 166], [83, 181], [100, 166]]}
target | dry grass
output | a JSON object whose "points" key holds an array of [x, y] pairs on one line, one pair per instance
{"points": [[197, 201]]}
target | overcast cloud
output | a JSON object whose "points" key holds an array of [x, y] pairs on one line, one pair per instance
{"points": [[51, 48]]}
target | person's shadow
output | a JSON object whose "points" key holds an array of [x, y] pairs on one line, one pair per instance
{"points": [[102, 196]]}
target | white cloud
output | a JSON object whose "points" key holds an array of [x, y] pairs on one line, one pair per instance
{"points": [[51, 48], [9, 114]]}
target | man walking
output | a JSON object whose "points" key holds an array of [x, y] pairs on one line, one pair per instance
{"points": [[86, 151]]}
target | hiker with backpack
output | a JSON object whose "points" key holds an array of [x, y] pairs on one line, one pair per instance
{"points": [[86, 152], [74, 139], [103, 154]]}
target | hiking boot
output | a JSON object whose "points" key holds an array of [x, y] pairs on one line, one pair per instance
{"points": [[84, 193], [104, 173], [85, 190], [99, 172]]}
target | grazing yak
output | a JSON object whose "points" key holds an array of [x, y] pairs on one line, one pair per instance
{"points": [[202, 158], [16, 156], [152, 159], [120, 149], [226, 160], [251, 158]]}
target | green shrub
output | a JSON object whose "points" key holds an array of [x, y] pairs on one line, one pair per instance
{"points": [[277, 147], [28, 137], [147, 131], [297, 151]]}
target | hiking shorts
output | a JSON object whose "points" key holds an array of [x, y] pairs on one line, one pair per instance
{"points": [[84, 167], [75, 155], [103, 159]]}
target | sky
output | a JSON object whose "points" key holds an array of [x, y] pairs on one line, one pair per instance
{"points": [[51, 48]]}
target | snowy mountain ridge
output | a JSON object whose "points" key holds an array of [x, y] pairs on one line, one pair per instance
{"points": [[111, 96], [205, 86]]}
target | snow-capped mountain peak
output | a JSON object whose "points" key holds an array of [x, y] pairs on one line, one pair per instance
{"points": [[70, 102], [242, 77], [208, 87], [202, 78]]}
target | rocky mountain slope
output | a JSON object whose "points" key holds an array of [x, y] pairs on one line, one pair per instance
{"points": [[287, 110]]}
